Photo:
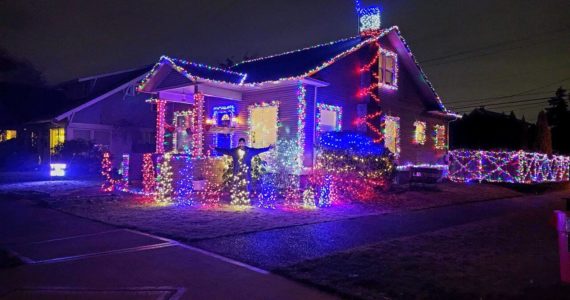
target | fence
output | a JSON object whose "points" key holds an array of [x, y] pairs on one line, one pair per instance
{"points": [[513, 167]]}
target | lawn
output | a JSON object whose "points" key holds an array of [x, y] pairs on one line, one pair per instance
{"points": [[500, 258], [190, 223]]}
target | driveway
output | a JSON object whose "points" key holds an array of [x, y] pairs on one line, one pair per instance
{"points": [[69, 257]]}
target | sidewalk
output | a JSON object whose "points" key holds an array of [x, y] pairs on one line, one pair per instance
{"points": [[69, 257]]}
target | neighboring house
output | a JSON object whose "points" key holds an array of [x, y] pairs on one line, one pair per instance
{"points": [[103, 109], [369, 83]]}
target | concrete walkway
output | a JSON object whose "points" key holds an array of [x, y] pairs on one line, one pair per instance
{"points": [[70, 257]]}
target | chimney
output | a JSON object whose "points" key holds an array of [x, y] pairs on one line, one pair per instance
{"points": [[369, 21]]}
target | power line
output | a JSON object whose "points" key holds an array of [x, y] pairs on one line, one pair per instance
{"points": [[523, 93], [503, 103], [484, 100], [464, 52]]}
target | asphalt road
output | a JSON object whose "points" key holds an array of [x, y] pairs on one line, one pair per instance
{"points": [[282, 247]]}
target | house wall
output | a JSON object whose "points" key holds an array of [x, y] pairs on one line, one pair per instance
{"points": [[125, 123], [406, 102]]}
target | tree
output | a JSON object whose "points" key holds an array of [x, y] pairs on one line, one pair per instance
{"points": [[14, 70], [558, 110], [543, 141]]}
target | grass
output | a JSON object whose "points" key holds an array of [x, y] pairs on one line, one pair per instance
{"points": [[501, 258]]}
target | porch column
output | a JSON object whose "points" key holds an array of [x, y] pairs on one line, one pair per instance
{"points": [[160, 117], [198, 136]]}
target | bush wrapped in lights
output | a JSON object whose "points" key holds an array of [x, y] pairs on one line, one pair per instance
{"points": [[352, 165], [503, 166]]}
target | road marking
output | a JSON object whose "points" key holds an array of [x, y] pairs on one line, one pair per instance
{"points": [[103, 253], [64, 238], [214, 255], [174, 293]]}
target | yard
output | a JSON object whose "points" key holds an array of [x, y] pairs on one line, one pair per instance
{"points": [[190, 223], [493, 258]]}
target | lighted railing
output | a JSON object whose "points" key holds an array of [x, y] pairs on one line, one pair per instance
{"points": [[513, 167]]}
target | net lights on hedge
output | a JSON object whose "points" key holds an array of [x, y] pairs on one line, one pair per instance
{"points": [[106, 168], [164, 180], [504, 166], [149, 180]]}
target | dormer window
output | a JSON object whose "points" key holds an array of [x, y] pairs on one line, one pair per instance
{"points": [[388, 67]]}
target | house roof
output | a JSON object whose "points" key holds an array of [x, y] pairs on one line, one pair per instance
{"points": [[294, 65], [21, 104]]}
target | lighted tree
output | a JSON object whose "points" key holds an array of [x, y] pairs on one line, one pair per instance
{"points": [[149, 180], [106, 168], [239, 192], [543, 141], [164, 180]]}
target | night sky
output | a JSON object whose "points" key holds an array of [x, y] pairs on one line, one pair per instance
{"points": [[470, 49]]}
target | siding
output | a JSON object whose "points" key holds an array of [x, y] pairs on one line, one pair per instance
{"points": [[406, 102]]}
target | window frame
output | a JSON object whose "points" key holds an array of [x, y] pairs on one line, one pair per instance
{"points": [[383, 70], [328, 107]]}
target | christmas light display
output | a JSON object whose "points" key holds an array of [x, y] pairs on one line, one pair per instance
{"points": [[106, 168], [198, 136], [333, 108], [164, 180], [502, 166], [356, 165], [148, 174], [325, 199], [369, 20], [439, 137], [229, 110], [180, 64], [392, 134], [188, 123], [301, 111], [309, 199], [124, 183], [419, 132], [160, 120], [239, 187]]}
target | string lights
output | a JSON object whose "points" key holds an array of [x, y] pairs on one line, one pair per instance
{"points": [[301, 107], [503, 166], [392, 134], [439, 137], [106, 168], [148, 174], [124, 183], [198, 136], [164, 180], [337, 109], [419, 132]]}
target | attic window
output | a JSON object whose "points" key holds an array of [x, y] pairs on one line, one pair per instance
{"points": [[388, 67]]}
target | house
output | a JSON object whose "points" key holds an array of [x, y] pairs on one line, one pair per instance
{"points": [[103, 109], [369, 83]]}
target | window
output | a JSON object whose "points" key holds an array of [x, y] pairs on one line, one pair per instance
{"points": [[183, 129], [388, 66], [56, 138], [7, 135], [440, 137], [419, 133], [224, 116], [392, 134], [329, 117], [82, 134], [263, 124]]}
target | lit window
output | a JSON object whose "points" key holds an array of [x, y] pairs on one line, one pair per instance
{"points": [[419, 133], [263, 125], [183, 124], [388, 66], [56, 138], [440, 137], [329, 117], [7, 135], [392, 134]]}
